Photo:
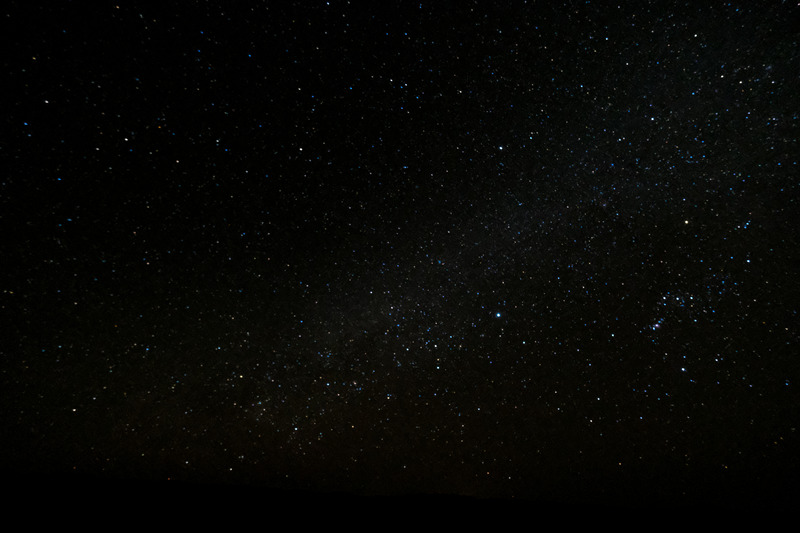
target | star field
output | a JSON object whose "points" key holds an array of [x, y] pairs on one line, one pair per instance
{"points": [[540, 251]]}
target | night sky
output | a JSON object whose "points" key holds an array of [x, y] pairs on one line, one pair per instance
{"points": [[544, 251]]}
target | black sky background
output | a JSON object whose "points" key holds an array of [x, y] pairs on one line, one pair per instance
{"points": [[534, 250]]}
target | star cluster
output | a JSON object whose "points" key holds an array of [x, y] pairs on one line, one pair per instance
{"points": [[529, 251]]}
